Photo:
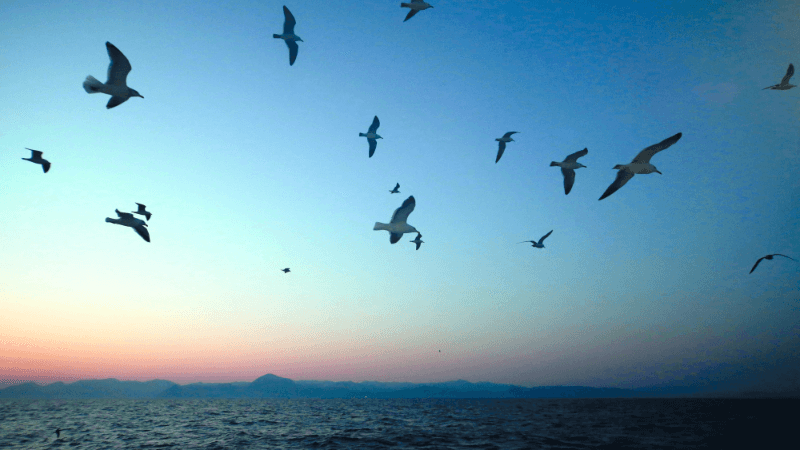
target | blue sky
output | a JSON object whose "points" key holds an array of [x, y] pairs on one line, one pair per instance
{"points": [[249, 166]]}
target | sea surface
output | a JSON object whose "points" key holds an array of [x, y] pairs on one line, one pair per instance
{"points": [[398, 423]]}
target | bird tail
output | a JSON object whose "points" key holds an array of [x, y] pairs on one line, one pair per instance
{"points": [[380, 226], [276, 36], [361, 134], [92, 85], [553, 163]]}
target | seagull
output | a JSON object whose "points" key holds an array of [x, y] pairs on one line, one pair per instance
{"points": [[286, 270], [418, 240], [416, 6], [506, 138], [143, 212], [36, 158], [397, 226], [371, 136], [288, 35], [568, 167], [58, 432], [639, 165], [116, 85], [395, 190], [769, 257], [784, 85], [539, 244], [128, 220]]}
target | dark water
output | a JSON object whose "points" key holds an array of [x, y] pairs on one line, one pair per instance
{"points": [[401, 423]]}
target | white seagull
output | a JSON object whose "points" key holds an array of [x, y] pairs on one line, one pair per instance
{"points": [[769, 257], [568, 167], [397, 226], [640, 165], [395, 190], [127, 219], [143, 212], [288, 35], [36, 158], [418, 240], [539, 244], [416, 6], [116, 86], [372, 135], [784, 84], [506, 138]]}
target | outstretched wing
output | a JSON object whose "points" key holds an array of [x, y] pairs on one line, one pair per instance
{"points": [[507, 135], [123, 215], [756, 264], [142, 231], [778, 254], [115, 101], [292, 50], [395, 237], [789, 73], [418, 244], [401, 214], [569, 179], [396, 186], [375, 124], [141, 207], [289, 22], [500, 151], [545, 236], [645, 155], [411, 14], [574, 157], [623, 175], [35, 154], [46, 166], [373, 144], [119, 67]]}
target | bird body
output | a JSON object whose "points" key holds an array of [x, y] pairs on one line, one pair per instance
{"points": [[372, 135], [36, 158], [143, 212], [127, 219], [769, 257], [502, 146], [539, 244], [640, 165], [116, 86], [288, 35], [286, 270], [418, 240], [415, 6], [395, 190], [784, 84], [398, 226], [568, 167]]}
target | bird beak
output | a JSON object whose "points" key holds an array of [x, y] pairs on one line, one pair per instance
{"points": [[659, 173], [140, 95]]}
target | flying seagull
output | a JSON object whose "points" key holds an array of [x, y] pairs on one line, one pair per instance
{"points": [[395, 190], [288, 35], [116, 86], [769, 257], [568, 167], [539, 244], [286, 270], [416, 6], [143, 212], [36, 158], [397, 226], [372, 135], [784, 85], [128, 220], [506, 138], [418, 240], [640, 165]]}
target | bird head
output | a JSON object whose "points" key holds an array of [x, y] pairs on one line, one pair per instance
{"points": [[618, 166], [297, 38], [134, 93], [378, 136]]}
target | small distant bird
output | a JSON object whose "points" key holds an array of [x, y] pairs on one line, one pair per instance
{"points": [[288, 35], [397, 226], [539, 244], [769, 257], [784, 84], [416, 6], [639, 165], [116, 85], [58, 432], [506, 138], [127, 219], [372, 135], [143, 212], [395, 190], [568, 167], [286, 270], [418, 240], [36, 158], [440, 351]]}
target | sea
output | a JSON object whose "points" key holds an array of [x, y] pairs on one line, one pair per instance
{"points": [[216, 424]]}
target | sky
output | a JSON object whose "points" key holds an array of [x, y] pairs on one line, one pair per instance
{"points": [[250, 165]]}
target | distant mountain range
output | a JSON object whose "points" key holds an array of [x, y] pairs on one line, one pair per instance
{"points": [[272, 386]]}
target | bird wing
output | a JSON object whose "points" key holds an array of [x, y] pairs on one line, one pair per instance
{"points": [[545, 236], [141, 207], [289, 23], [569, 179], [397, 186], [46, 166], [395, 237], [574, 157], [401, 214], [507, 135], [418, 244], [142, 231], [645, 155], [778, 254], [118, 68], [35, 154], [292, 50], [501, 148], [789, 73], [375, 124], [623, 175], [373, 144], [756, 264], [525, 242], [411, 13], [115, 101], [123, 215]]}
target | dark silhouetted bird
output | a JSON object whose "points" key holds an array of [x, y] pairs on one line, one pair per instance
{"points": [[769, 257]]}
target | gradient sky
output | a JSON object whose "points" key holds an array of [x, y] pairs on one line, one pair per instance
{"points": [[249, 166]]}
